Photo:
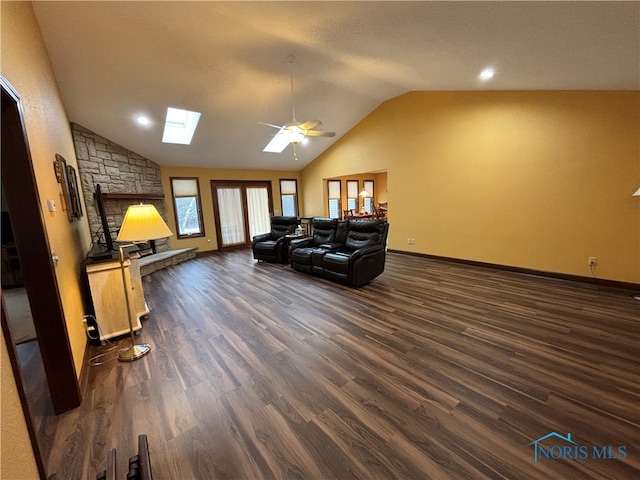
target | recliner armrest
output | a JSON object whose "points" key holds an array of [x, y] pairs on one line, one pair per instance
{"points": [[301, 242], [361, 252], [331, 246], [263, 237]]}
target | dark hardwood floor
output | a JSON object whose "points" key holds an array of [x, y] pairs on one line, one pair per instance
{"points": [[433, 371]]}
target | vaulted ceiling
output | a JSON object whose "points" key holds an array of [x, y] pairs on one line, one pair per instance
{"points": [[228, 60]]}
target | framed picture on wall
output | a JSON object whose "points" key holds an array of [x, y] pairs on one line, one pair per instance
{"points": [[74, 193], [70, 195]]}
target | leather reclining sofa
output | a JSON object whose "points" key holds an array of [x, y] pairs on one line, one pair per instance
{"points": [[352, 252]]}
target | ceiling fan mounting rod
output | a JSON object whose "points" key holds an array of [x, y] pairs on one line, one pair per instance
{"points": [[292, 59]]}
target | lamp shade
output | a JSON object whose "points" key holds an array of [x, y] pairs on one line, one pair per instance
{"points": [[364, 193], [141, 223], [637, 194]]}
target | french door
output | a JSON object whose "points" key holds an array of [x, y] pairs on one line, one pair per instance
{"points": [[242, 209]]}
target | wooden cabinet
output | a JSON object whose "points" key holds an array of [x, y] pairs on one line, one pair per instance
{"points": [[107, 294]]}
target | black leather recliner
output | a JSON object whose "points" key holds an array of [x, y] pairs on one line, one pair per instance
{"points": [[271, 247], [346, 251]]}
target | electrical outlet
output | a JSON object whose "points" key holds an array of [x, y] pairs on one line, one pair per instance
{"points": [[592, 262], [408, 241]]}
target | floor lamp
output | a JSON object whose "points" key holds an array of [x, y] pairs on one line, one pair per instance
{"points": [[141, 223]]}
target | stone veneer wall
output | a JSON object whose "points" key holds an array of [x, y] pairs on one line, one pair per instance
{"points": [[117, 170]]}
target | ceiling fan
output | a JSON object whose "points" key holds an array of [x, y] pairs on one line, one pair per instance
{"points": [[293, 132]]}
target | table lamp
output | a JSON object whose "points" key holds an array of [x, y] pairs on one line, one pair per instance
{"points": [[141, 223]]}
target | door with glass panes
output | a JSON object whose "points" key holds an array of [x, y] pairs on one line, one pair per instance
{"points": [[242, 209]]}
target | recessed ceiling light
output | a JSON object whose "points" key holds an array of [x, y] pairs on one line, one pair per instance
{"points": [[142, 120], [487, 73], [180, 126]]}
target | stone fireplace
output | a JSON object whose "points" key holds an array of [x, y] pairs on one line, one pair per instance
{"points": [[124, 177]]}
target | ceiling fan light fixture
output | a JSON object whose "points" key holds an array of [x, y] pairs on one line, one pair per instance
{"points": [[296, 135]]}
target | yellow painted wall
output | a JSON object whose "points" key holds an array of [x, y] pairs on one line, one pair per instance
{"points": [[25, 64], [538, 180], [17, 461], [205, 175]]}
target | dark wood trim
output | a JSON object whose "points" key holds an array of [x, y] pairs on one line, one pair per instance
{"points": [[133, 196], [175, 208], [85, 370], [243, 185], [15, 366], [340, 212], [632, 287], [297, 194], [34, 252], [357, 197]]}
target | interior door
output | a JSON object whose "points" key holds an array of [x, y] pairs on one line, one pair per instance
{"points": [[242, 209]]}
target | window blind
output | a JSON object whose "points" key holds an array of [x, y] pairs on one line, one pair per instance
{"points": [[288, 187], [185, 187], [352, 188], [334, 189]]}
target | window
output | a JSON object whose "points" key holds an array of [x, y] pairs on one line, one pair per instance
{"points": [[334, 198], [367, 199], [186, 207], [289, 197], [352, 195]]}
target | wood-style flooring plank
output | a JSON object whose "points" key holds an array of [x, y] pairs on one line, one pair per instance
{"points": [[434, 370]]}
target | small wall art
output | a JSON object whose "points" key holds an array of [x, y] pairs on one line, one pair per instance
{"points": [[67, 178]]}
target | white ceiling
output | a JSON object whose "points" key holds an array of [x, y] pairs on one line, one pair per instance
{"points": [[228, 60]]}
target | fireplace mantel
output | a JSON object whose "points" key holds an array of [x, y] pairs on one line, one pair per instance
{"points": [[133, 196]]}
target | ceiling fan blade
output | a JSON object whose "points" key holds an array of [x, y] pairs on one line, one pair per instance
{"points": [[271, 125], [309, 124], [318, 133]]}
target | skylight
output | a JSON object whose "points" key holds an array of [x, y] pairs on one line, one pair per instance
{"points": [[179, 126], [284, 137], [279, 142]]}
